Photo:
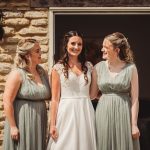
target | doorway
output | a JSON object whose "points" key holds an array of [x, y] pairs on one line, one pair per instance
{"points": [[94, 26]]}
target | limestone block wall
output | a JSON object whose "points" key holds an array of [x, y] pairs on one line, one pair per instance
{"points": [[20, 24]]}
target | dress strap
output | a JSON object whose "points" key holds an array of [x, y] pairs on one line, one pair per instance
{"points": [[22, 72]]}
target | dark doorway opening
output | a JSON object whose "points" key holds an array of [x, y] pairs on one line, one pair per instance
{"points": [[94, 27], [136, 28]]}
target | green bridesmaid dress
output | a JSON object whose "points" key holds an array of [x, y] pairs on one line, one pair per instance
{"points": [[30, 114], [113, 112]]}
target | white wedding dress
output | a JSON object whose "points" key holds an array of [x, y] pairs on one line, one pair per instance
{"points": [[76, 117]]}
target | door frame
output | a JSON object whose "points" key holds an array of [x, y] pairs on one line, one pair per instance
{"points": [[85, 11]]}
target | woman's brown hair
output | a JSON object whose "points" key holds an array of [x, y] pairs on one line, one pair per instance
{"points": [[81, 58]]}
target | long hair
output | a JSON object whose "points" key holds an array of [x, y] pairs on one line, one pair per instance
{"points": [[118, 40], [65, 59]]}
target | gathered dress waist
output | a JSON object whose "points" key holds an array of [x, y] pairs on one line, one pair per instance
{"points": [[115, 94], [74, 97], [31, 100]]}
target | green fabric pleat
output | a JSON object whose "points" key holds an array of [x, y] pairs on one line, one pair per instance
{"points": [[113, 112], [30, 115]]}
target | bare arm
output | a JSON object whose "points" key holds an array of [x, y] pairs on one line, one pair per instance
{"points": [[93, 87], [55, 86], [135, 103], [11, 88]]}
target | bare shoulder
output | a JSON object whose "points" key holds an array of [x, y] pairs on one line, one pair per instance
{"points": [[54, 72]]}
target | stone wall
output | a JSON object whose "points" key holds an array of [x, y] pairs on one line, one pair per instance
{"points": [[17, 25]]}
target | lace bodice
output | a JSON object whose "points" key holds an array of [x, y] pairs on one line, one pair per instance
{"points": [[75, 85]]}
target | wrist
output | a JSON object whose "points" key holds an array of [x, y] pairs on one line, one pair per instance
{"points": [[134, 125], [53, 126], [13, 129], [13, 126]]}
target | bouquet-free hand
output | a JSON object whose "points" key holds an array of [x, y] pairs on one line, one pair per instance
{"points": [[135, 132], [54, 132], [14, 132]]}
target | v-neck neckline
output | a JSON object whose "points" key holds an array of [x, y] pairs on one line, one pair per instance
{"points": [[41, 85], [117, 73], [76, 73]]}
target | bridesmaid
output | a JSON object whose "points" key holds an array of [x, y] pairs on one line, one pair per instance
{"points": [[24, 97], [117, 109]]}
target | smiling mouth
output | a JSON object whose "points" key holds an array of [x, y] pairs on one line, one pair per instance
{"points": [[74, 50]]}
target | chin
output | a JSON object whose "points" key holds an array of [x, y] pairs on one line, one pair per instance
{"points": [[75, 54], [104, 57]]}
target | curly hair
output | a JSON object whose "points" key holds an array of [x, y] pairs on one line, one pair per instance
{"points": [[82, 59], [118, 40]]}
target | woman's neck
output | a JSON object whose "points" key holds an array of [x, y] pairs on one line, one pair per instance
{"points": [[114, 62], [32, 68], [73, 61]]}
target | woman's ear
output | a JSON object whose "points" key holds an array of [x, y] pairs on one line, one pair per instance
{"points": [[117, 50], [27, 56]]}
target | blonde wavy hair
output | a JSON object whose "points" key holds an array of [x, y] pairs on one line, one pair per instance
{"points": [[24, 47], [118, 40]]}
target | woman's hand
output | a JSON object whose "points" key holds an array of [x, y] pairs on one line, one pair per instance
{"points": [[14, 132], [135, 132], [54, 132]]}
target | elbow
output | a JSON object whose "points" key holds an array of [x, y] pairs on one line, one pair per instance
{"points": [[135, 101], [7, 105]]}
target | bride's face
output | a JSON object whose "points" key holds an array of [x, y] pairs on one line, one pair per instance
{"points": [[74, 46]]}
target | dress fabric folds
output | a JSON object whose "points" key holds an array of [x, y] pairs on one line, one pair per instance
{"points": [[76, 117], [113, 113], [30, 114]]}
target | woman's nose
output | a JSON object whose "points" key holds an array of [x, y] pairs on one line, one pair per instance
{"points": [[76, 46], [102, 49]]}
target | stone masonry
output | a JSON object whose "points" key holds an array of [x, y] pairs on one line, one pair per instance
{"points": [[18, 24]]}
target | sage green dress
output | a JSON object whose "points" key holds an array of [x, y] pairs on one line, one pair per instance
{"points": [[30, 114], [113, 113]]}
